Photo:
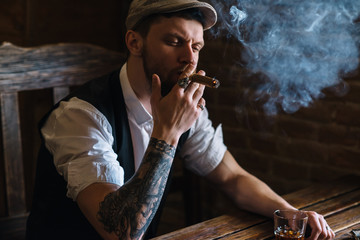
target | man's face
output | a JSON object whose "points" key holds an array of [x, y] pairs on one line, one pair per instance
{"points": [[171, 44]]}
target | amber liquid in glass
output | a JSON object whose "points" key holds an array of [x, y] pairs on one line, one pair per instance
{"points": [[288, 235]]}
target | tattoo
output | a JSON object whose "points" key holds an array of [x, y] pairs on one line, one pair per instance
{"points": [[130, 209]]}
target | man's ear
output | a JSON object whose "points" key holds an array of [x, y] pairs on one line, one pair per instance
{"points": [[134, 42]]}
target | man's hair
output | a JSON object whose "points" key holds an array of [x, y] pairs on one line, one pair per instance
{"points": [[144, 25]]}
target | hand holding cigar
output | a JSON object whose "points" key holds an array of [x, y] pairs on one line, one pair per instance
{"points": [[205, 80]]}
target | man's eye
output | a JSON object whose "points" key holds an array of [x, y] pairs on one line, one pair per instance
{"points": [[173, 43], [197, 48]]}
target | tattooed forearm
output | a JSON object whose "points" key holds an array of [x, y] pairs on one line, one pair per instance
{"points": [[129, 210]]}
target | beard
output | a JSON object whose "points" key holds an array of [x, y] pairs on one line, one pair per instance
{"points": [[151, 67]]}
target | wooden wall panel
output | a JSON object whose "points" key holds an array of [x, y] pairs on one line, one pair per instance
{"points": [[12, 20], [97, 22], [37, 22]]}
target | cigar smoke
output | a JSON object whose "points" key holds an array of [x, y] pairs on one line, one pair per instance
{"points": [[300, 47]]}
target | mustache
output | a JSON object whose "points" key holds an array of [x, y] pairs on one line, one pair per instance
{"points": [[183, 68]]}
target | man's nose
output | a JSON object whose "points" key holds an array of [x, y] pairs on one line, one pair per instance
{"points": [[188, 55]]}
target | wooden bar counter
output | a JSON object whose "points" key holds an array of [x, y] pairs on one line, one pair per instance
{"points": [[338, 201]]}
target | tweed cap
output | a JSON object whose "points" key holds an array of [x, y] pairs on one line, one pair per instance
{"points": [[139, 9]]}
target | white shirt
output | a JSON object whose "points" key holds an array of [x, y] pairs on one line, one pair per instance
{"points": [[80, 139]]}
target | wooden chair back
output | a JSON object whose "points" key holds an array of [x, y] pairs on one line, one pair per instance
{"points": [[54, 68]]}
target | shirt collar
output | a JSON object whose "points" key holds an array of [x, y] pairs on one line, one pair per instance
{"points": [[133, 105]]}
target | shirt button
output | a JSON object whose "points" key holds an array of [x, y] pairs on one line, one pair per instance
{"points": [[147, 127]]}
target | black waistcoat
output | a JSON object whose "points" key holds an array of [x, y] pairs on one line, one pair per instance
{"points": [[55, 216]]}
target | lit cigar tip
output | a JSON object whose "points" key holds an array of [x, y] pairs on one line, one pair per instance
{"points": [[216, 83]]}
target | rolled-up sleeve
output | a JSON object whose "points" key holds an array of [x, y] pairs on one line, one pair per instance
{"points": [[80, 139], [204, 149]]}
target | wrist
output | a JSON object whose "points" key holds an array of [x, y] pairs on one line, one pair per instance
{"points": [[170, 137], [286, 206], [162, 146]]}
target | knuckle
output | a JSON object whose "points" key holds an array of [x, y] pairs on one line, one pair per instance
{"points": [[312, 213], [187, 102], [323, 235]]}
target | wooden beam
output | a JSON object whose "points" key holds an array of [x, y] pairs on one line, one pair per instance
{"points": [[14, 172]]}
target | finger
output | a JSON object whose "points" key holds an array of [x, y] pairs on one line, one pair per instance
{"points": [[319, 227], [199, 92], [190, 69], [201, 104], [194, 91], [324, 227], [191, 89], [315, 225], [183, 82], [184, 76], [202, 101], [156, 89], [330, 232], [201, 72]]}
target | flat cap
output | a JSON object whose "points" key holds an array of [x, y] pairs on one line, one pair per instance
{"points": [[139, 9]]}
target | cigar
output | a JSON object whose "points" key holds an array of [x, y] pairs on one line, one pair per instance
{"points": [[207, 81]]}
